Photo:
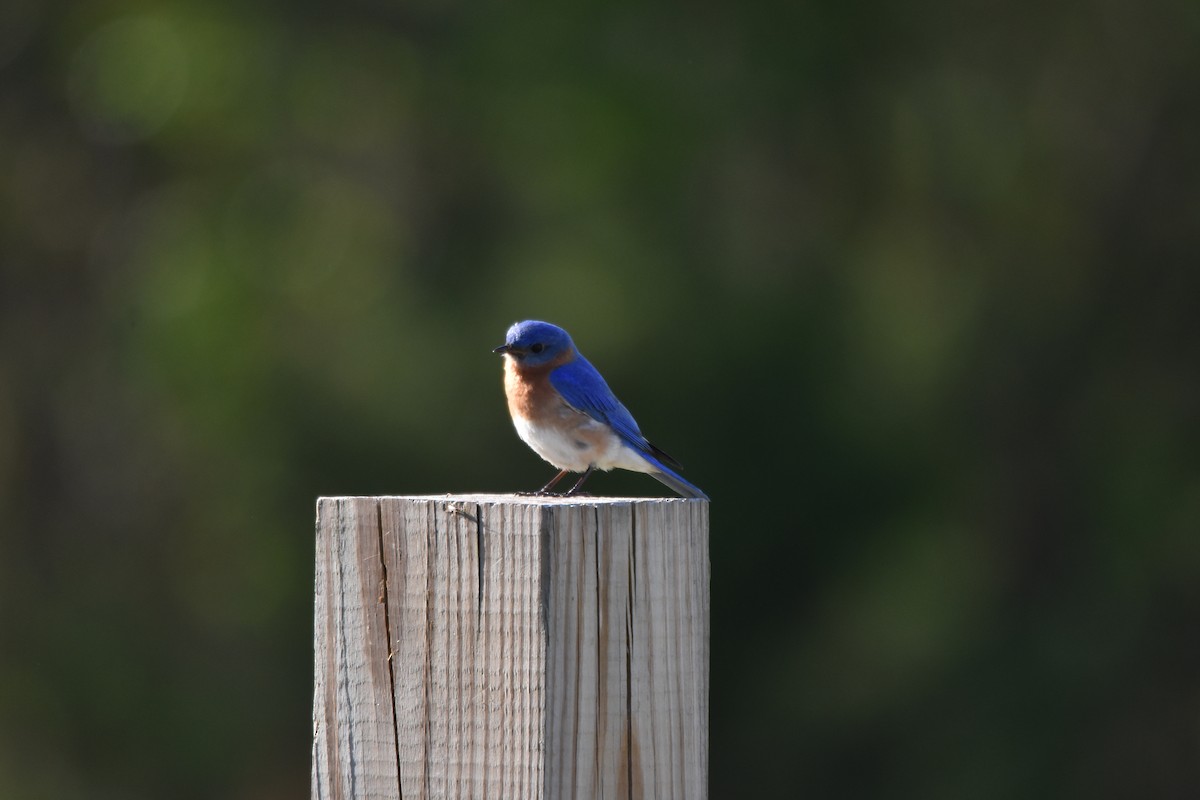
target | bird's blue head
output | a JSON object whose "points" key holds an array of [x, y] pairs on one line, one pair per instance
{"points": [[533, 343]]}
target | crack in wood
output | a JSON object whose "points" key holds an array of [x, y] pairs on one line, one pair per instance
{"points": [[387, 628]]}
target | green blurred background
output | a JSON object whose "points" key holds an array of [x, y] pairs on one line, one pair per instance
{"points": [[910, 289]]}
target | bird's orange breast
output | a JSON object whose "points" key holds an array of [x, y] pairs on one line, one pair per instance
{"points": [[528, 389]]}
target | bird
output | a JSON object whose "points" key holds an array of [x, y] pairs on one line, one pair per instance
{"points": [[563, 409]]}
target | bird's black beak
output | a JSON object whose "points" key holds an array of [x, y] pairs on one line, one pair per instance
{"points": [[501, 349]]}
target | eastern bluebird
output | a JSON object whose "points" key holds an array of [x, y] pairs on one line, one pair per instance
{"points": [[564, 410]]}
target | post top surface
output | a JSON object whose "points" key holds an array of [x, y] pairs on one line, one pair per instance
{"points": [[531, 500]]}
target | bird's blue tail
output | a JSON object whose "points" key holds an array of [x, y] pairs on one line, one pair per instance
{"points": [[669, 477]]}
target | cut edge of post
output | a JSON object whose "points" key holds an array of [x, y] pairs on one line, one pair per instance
{"points": [[523, 499]]}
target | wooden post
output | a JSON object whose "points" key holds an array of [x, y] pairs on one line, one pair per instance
{"points": [[495, 646]]}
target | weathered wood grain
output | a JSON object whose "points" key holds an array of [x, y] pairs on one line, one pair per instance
{"points": [[354, 737], [487, 646]]}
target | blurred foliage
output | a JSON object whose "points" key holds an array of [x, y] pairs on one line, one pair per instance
{"points": [[927, 272]]}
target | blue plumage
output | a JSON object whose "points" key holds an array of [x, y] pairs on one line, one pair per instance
{"points": [[584, 389]]}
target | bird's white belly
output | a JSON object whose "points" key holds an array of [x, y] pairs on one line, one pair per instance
{"points": [[575, 447]]}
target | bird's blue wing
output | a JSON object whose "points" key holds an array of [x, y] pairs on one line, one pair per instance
{"points": [[582, 387], [585, 390]]}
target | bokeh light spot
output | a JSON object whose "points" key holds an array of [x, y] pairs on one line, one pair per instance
{"points": [[128, 78]]}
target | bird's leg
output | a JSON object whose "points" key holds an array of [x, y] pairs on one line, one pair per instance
{"points": [[575, 489], [546, 489]]}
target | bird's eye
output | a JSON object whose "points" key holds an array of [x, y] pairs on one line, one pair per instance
{"points": [[537, 348]]}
